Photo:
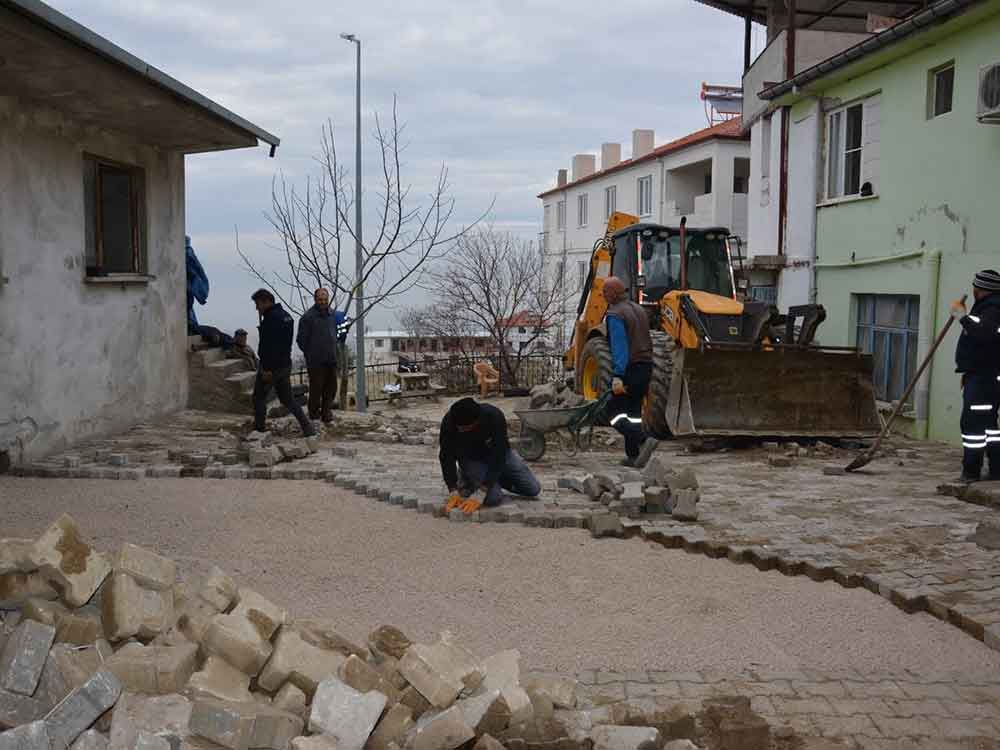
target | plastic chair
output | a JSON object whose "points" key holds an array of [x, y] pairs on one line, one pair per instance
{"points": [[486, 377]]}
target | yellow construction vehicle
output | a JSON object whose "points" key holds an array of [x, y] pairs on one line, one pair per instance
{"points": [[722, 367]]}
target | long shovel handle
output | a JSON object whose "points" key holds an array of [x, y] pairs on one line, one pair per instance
{"points": [[913, 383]]}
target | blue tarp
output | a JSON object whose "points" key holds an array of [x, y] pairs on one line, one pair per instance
{"points": [[197, 284]]}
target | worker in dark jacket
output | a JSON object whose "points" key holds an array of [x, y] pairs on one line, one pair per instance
{"points": [[275, 352], [317, 340], [632, 368], [977, 357], [474, 436]]}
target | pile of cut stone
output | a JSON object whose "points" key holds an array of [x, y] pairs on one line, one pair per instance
{"points": [[261, 450], [656, 489], [556, 395], [99, 654]]}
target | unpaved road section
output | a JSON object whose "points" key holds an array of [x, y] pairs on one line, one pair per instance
{"points": [[568, 602]]}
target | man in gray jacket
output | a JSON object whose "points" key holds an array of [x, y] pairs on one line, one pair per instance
{"points": [[318, 341]]}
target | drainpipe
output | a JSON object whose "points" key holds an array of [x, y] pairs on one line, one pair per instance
{"points": [[928, 328]]}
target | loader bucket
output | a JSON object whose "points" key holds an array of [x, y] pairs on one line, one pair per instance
{"points": [[811, 392]]}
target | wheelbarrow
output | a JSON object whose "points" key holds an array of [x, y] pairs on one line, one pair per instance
{"points": [[578, 421]]}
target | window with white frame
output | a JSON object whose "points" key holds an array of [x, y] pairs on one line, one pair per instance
{"points": [[940, 90], [581, 210], [561, 215], [646, 195], [610, 201], [852, 154]]}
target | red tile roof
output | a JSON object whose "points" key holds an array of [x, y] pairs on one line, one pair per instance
{"points": [[728, 130]]}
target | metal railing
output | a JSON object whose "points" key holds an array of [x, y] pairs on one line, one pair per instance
{"points": [[454, 374]]}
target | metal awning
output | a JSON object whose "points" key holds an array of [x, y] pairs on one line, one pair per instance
{"points": [[823, 15], [48, 58]]}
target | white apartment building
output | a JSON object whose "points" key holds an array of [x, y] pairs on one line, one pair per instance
{"points": [[702, 176]]}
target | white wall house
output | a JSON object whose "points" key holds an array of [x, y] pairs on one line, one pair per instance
{"points": [[93, 332], [702, 176]]}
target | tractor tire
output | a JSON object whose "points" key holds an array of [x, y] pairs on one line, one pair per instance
{"points": [[593, 377], [654, 413]]}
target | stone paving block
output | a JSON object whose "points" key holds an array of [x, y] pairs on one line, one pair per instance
{"points": [[363, 677], [16, 710], [432, 675], [486, 712], [147, 741], [33, 736], [561, 690], [227, 724], [605, 524], [219, 680], [81, 628], [274, 729], [444, 731], [656, 499], [17, 588], [128, 609], [265, 616], [390, 641], [625, 738], [90, 740], [343, 713], [391, 728], [148, 569], [685, 505], [299, 661], [67, 668], [238, 641], [315, 742], [15, 556], [154, 669], [165, 716], [290, 699], [69, 563], [24, 656], [80, 709], [44, 611]]}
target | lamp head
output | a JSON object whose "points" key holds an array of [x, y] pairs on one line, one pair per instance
{"points": [[349, 37]]}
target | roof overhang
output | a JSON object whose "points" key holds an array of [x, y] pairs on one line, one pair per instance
{"points": [[48, 58], [822, 15]]}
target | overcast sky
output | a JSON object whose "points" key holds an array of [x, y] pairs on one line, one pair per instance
{"points": [[503, 93]]}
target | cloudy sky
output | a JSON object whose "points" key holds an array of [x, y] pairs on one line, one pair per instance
{"points": [[503, 93]]}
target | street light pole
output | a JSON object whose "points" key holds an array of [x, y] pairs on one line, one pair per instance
{"points": [[360, 389]]}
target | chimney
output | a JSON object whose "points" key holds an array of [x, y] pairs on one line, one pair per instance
{"points": [[561, 178], [583, 166], [642, 143], [611, 154]]}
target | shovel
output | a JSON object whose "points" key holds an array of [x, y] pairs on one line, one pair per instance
{"points": [[865, 457]]}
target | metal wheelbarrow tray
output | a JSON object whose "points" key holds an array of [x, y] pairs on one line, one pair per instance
{"points": [[578, 421]]}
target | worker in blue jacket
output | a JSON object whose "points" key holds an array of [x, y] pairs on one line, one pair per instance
{"points": [[977, 357], [632, 368]]}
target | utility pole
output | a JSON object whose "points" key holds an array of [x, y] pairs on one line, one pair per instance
{"points": [[360, 389]]}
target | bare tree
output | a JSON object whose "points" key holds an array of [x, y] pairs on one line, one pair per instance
{"points": [[314, 224], [494, 284]]}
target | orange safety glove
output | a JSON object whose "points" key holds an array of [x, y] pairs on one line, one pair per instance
{"points": [[470, 506], [618, 387], [454, 500], [958, 308]]}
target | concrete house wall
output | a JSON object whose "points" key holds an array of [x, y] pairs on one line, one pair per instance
{"points": [[932, 223], [79, 358]]}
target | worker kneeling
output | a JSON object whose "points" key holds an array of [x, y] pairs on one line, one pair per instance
{"points": [[474, 436]]}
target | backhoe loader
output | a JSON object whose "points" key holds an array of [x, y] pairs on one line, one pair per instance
{"points": [[722, 367]]}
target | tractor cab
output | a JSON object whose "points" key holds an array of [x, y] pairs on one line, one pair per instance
{"points": [[648, 259]]}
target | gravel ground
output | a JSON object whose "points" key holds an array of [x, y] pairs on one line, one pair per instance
{"points": [[568, 602]]}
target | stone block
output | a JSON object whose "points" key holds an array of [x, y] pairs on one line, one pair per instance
{"points": [[488, 742], [219, 590], [391, 729], [625, 738], [744, 733], [631, 476], [415, 701], [220, 680], [290, 699], [322, 634], [227, 724], [16, 556], [129, 609], [264, 457], [90, 740], [571, 483], [302, 663], [445, 731], [592, 487], [24, 656], [426, 670], [17, 588], [274, 729], [656, 499], [657, 472], [834, 471], [264, 615], [147, 741], [156, 670], [317, 742], [485, 713], [69, 563], [632, 494], [66, 669], [779, 462], [605, 524], [389, 640], [166, 716], [33, 736], [79, 710], [686, 505], [343, 713], [16, 710], [80, 628], [561, 691], [363, 677], [685, 479], [149, 570], [44, 611], [238, 641], [987, 535]]}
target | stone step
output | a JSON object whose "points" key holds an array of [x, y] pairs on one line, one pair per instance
{"points": [[243, 381], [197, 344], [226, 367], [205, 357]]}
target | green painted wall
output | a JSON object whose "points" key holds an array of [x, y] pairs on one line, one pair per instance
{"points": [[939, 189]]}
